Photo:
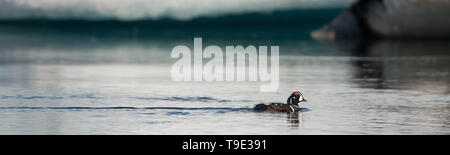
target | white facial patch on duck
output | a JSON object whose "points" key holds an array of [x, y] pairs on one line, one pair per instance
{"points": [[300, 98]]}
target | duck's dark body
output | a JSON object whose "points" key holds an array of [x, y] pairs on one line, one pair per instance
{"points": [[290, 106], [278, 107]]}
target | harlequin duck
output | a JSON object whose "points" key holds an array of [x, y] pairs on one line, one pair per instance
{"points": [[291, 106]]}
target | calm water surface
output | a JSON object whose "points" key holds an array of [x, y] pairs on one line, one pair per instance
{"points": [[57, 83]]}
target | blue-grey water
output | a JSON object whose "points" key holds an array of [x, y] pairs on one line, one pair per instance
{"points": [[66, 80]]}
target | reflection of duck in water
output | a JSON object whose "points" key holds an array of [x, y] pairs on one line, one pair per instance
{"points": [[294, 119], [291, 106]]}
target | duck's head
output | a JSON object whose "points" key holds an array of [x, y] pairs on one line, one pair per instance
{"points": [[299, 95]]}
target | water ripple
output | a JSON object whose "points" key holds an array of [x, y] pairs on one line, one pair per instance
{"points": [[177, 113], [88, 96], [129, 108], [184, 99], [31, 97]]}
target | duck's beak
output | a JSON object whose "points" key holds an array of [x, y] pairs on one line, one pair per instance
{"points": [[304, 100]]}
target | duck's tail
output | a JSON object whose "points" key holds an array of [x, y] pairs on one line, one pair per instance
{"points": [[260, 107]]}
